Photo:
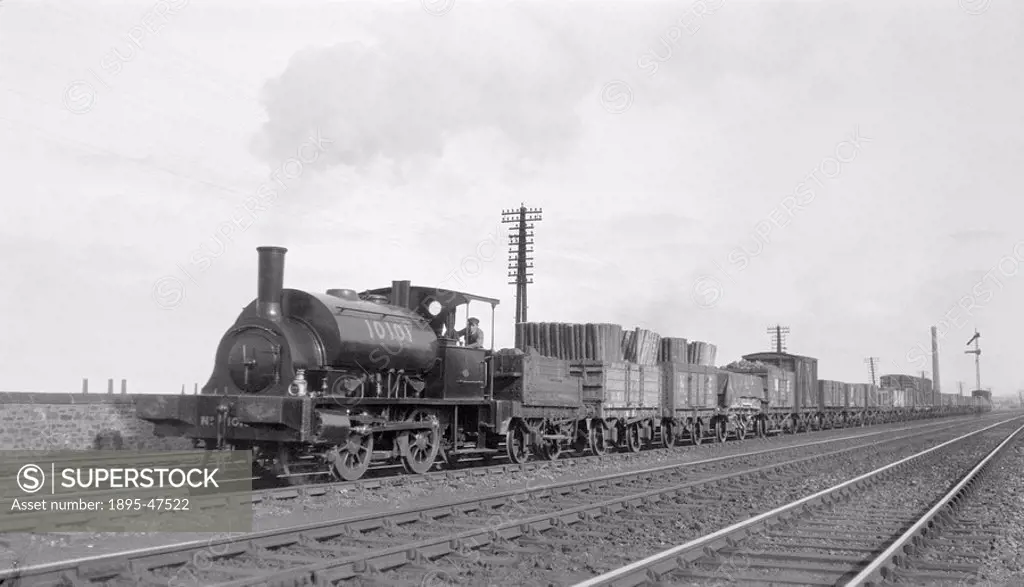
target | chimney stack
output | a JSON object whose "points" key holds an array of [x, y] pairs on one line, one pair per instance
{"points": [[270, 282], [400, 293]]}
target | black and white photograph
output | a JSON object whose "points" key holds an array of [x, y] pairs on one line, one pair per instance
{"points": [[589, 293]]}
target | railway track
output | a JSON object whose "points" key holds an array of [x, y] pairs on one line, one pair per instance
{"points": [[324, 493], [490, 530], [865, 531]]}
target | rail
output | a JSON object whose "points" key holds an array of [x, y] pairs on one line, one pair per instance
{"points": [[653, 567], [25, 521], [879, 568], [140, 563]]}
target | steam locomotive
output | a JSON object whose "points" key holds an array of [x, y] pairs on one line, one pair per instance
{"points": [[319, 386]]}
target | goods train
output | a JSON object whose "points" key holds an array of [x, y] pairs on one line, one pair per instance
{"points": [[319, 386]]}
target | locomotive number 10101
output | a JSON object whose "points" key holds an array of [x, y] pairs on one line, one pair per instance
{"points": [[387, 331]]}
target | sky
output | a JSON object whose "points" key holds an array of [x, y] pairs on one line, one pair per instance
{"points": [[705, 170]]}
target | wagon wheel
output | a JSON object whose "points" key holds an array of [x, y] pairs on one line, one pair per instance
{"points": [[597, 438], [633, 437], [696, 434], [668, 434], [582, 440], [741, 430], [550, 450], [762, 427], [515, 444], [350, 461], [423, 444], [721, 430], [297, 469]]}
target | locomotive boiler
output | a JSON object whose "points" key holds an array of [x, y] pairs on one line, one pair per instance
{"points": [[322, 384]]}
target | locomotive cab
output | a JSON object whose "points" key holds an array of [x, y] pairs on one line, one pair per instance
{"points": [[461, 372]]}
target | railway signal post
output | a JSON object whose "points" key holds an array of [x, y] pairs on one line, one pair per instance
{"points": [[977, 357]]}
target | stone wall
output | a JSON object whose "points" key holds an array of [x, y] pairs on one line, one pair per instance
{"points": [[76, 421]]}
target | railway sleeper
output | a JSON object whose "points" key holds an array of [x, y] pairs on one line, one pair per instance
{"points": [[756, 578], [834, 570], [919, 577]]}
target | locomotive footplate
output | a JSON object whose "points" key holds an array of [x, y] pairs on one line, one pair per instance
{"points": [[277, 418], [234, 417]]}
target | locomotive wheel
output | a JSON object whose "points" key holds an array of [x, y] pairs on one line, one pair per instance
{"points": [[597, 438], [423, 445], [422, 452], [668, 435], [633, 437], [696, 434], [350, 461], [515, 444]]}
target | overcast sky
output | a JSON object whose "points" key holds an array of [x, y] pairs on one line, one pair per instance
{"points": [[847, 169]]}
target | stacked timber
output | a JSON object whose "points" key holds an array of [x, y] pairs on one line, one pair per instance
{"points": [[701, 353], [672, 350], [572, 342], [641, 346]]}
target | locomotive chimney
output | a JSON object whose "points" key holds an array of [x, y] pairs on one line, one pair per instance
{"points": [[270, 282], [400, 293]]}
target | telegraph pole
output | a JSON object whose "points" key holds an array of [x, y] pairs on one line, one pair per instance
{"points": [[520, 260], [872, 363], [778, 334], [977, 357]]}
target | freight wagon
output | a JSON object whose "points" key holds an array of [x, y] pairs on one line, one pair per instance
{"points": [[799, 409]]}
